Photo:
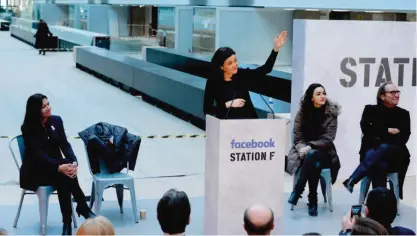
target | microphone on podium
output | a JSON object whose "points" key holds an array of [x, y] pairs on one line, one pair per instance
{"points": [[270, 108], [228, 109]]}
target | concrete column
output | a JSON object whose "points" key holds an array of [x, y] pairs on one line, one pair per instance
{"points": [[98, 19], [184, 29], [77, 17], [53, 14]]}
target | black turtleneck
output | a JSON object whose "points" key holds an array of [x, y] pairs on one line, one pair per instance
{"points": [[313, 124]]}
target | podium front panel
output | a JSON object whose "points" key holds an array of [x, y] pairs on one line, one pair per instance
{"points": [[245, 168]]}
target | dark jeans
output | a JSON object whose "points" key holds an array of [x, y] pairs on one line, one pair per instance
{"points": [[375, 165], [66, 187], [310, 170]]}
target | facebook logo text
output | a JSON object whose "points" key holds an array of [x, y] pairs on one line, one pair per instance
{"points": [[253, 144]]}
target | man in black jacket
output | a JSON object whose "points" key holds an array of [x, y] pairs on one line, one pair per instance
{"points": [[386, 130]]}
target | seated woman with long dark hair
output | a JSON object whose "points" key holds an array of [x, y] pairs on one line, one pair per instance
{"points": [[44, 137], [315, 128]]}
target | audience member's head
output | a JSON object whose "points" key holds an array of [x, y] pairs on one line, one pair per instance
{"points": [[173, 212], [311, 233], [3, 232], [381, 206], [367, 226], [98, 225], [258, 220]]}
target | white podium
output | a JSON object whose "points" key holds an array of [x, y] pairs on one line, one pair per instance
{"points": [[244, 165]]}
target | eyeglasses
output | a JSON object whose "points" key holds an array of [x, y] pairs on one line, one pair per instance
{"points": [[393, 93]]}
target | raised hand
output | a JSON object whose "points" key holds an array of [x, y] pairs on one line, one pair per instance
{"points": [[280, 40]]}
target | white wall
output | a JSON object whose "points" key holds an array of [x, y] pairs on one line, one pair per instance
{"points": [[319, 60], [251, 32]]}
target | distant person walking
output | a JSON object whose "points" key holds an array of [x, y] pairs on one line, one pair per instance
{"points": [[42, 36]]}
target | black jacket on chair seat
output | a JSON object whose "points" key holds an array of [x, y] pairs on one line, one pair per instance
{"points": [[126, 145]]}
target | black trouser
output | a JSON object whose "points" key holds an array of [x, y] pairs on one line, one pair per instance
{"points": [[310, 170], [375, 165], [66, 187]]}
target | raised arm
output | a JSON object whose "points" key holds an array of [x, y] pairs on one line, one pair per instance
{"points": [[279, 42]]}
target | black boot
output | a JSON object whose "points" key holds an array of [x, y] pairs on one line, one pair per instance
{"points": [[349, 184], [312, 204], [66, 228], [294, 198], [312, 209], [85, 212]]}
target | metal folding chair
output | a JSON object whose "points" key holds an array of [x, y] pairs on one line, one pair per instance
{"points": [[393, 181], [325, 183], [104, 180], [43, 192]]}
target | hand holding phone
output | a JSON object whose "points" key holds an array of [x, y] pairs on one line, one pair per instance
{"points": [[356, 210]]}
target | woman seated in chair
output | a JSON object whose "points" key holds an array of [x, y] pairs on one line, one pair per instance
{"points": [[44, 137], [314, 131]]}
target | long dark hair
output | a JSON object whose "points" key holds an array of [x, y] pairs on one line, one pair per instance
{"points": [[306, 104], [32, 121], [217, 61]]}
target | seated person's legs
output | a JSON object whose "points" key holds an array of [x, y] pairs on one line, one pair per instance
{"points": [[379, 156], [309, 168]]}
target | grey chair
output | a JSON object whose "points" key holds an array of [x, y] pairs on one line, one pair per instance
{"points": [[393, 181], [325, 183], [43, 192], [104, 180]]}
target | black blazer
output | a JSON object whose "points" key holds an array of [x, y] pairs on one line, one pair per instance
{"points": [[375, 128], [43, 153]]}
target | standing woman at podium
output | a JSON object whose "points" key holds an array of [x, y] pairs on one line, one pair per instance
{"points": [[315, 128], [229, 85]]}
